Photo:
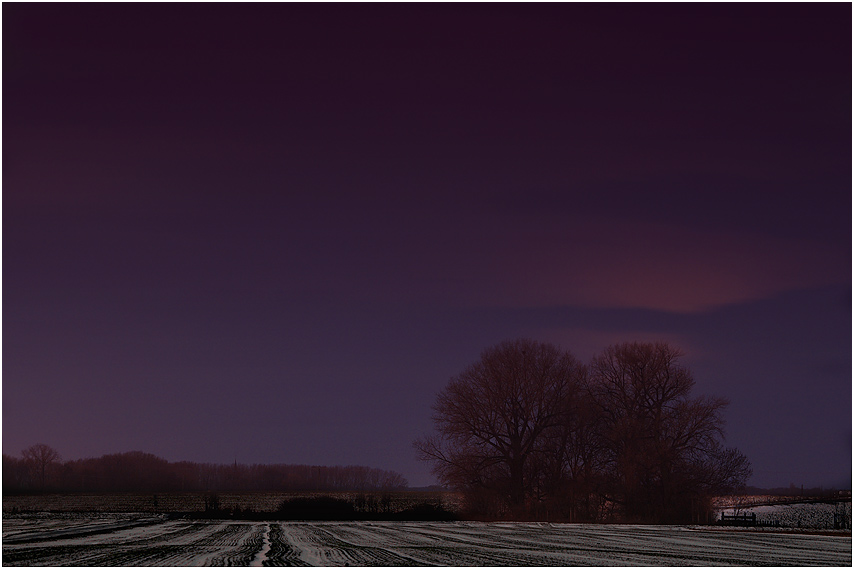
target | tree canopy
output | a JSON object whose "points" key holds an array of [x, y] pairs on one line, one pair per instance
{"points": [[498, 415]]}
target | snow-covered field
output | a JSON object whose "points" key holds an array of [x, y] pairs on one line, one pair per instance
{"points": [[134, 540], [813, 516]]}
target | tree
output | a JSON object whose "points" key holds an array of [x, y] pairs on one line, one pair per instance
{"points": [[499, 419], [40, 457], [527, 430], [662, 448], [570, 465]]}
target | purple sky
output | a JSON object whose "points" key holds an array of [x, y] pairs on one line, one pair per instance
{"points": [[273, 232]]}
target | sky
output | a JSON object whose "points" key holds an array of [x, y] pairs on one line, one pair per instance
{"points": [[272, 233]]}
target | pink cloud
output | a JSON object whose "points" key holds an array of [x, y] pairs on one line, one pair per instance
{"points": [[600, 264]]}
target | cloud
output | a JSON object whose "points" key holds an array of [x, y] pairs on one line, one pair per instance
{"points": [[530, 261], [602, 264]]}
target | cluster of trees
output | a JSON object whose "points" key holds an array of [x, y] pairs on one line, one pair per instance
{"points": [[528, 431], [40, 468]]}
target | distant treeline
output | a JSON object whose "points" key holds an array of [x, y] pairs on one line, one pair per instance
{"points": [[792, 490], [40, 470]]}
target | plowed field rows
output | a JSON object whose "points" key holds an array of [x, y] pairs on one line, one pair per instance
{"points": [[148, 541]]}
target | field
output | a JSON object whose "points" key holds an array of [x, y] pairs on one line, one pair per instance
{"points": [[154, 540], [819, 515]]}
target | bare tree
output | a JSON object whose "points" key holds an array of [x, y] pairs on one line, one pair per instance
{"points": [[40, 457], [499, 415], [528, 430], [568, 471], [663, 450]]}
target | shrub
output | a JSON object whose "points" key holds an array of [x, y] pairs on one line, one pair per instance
{"points": [[317, 508]]}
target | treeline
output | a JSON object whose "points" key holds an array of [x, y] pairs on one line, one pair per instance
{"points": [[794, 491], [40, 469]]}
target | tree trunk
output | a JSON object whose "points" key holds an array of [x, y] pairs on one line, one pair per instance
{"points": [[517, 483]]}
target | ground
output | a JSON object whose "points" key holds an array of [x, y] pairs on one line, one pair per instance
{"points": [[143, 539]]}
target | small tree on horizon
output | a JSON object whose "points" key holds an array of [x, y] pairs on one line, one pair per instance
{"points": [[40, 457]]}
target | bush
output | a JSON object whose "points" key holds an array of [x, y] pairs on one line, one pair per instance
{"points": [[317, 508], [426, 512]]}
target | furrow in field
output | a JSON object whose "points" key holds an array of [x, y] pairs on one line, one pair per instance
{"points": [[214, 543], [392, 543], [282, 553], [53, 532], [317, 544], [261, 554], [237, 544]]}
